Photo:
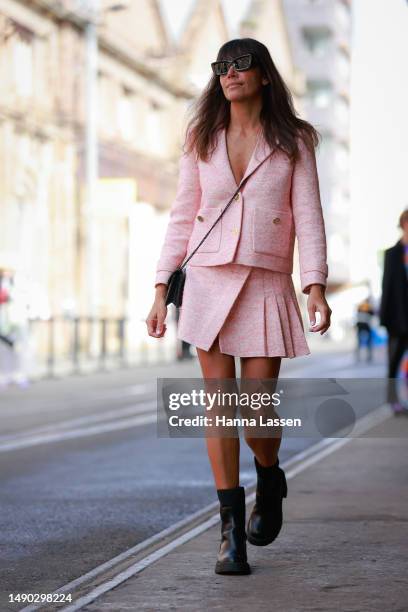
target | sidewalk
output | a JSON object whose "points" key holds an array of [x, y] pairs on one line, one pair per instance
{"points": [[342, 544]]}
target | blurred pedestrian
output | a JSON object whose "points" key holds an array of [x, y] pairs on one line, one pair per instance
{"points": [[6, 360], [14, 334], [364, 315], [394, 308], [6, 342]]}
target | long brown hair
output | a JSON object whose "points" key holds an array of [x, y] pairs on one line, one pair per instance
{"points": [[278, 117]]}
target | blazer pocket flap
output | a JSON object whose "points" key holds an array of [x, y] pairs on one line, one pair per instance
{"points": [[204, 220], [271, 232], [207, 214]]}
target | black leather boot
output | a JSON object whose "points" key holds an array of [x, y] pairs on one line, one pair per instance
{"points": [[265, 521], [232, 556]]}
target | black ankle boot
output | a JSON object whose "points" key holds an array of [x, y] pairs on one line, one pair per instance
{"points": [[265, 521], [232, 556]]}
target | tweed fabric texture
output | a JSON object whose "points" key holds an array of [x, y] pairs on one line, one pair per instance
{"points": [[254, 310], [279, 202]]}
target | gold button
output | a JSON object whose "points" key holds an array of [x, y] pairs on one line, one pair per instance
{"points": [[236, 197], [234, 231], [200, 218], [276, 220]]}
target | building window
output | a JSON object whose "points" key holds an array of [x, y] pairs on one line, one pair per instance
{"points": [[326, 144], [107, 92], [317, 39], [126, 114], [346, 5], [23, 59], [154, 127], [343, 14], [337, 247], [342, 108], [340, 202], [319, 92], [342, 156], [343, 62]]}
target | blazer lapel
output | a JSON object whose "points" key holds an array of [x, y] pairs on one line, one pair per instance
{"points": [[261, 151]]}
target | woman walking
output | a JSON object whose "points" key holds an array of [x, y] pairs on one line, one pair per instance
{"points": [[239, 299]]}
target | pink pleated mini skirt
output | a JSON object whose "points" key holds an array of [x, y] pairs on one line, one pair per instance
{"points": [[253, 311]]}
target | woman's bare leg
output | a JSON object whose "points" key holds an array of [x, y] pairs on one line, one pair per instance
{"points": [[223, 452], [265, 449]]}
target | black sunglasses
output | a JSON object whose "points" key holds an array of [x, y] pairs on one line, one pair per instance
{"points": [[241, 63]]}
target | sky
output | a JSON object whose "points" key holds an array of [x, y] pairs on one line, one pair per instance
{"points": [[177, 10]]}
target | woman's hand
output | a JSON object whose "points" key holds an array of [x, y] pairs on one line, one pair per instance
{"points": [[316, 302], [156, 326]]}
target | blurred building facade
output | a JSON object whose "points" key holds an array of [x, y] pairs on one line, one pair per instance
{"points": [[43, 55], [146, 82], [320, 34]]}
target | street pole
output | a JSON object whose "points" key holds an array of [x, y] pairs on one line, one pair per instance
{"points": [[91, 157]]}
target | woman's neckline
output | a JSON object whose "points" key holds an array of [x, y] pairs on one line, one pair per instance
{"points": [[250, 159]]}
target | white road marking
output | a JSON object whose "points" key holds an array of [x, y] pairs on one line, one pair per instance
{"points": [[139, 389], [101, 416], [59, 436], [307, 457], [91, 396]]}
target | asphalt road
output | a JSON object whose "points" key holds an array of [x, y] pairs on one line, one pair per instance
{"points": [[84, 477]]}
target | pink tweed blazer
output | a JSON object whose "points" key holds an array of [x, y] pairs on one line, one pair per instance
{"points": [[279, 201]]}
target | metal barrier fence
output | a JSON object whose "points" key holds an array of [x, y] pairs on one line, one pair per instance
{"points": [[65, 345]]}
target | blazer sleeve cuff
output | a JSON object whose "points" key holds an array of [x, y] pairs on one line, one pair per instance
{"points": [[314, 277], [162, 276]]}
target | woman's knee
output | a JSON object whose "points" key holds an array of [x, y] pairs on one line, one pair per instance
{"points": [[260, 367], [215, 364]]}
